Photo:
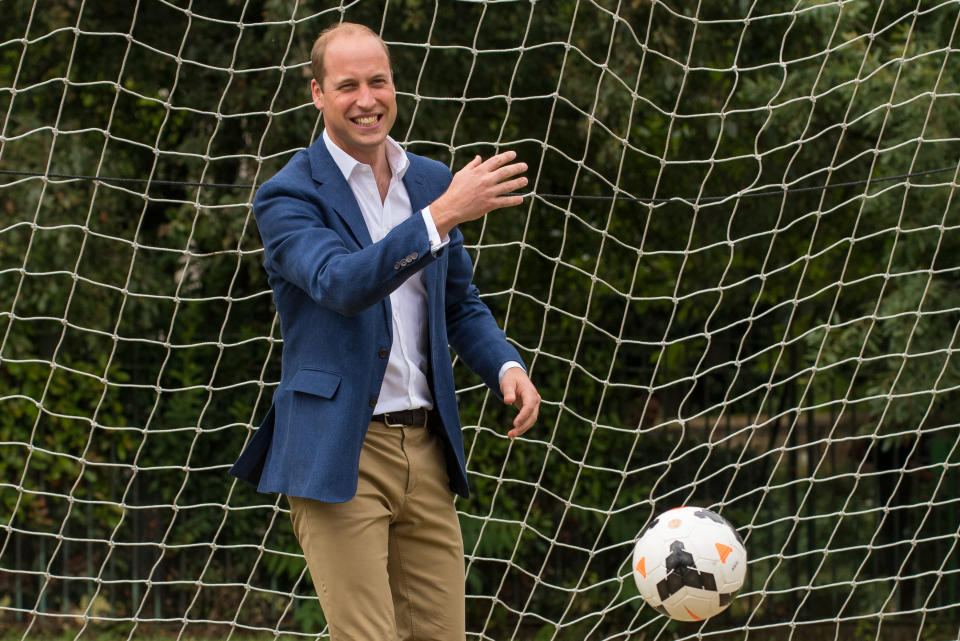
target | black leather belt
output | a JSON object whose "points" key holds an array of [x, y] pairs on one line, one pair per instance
{"points": [[416, 417]]}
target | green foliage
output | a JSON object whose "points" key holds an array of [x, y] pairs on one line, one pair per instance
{"points": [[135, 326]]}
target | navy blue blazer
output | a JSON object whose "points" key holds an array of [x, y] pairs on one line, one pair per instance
{"points": [[331, 287]]}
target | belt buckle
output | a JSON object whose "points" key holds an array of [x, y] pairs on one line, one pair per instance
{"points": [[386, 420]]}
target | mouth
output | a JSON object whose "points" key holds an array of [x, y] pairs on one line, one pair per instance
{"points": [[367, 121]]}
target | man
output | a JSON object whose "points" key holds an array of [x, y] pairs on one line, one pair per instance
{"points": [[372, 284]]}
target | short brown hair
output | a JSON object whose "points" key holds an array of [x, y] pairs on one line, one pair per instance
{"points": [[320, 45]]}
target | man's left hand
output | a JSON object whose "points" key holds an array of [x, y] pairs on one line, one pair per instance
{"points": [[518, 390]]}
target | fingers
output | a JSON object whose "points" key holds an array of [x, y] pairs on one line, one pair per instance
{"points": [[512, 185], [527, 399], [471, 166], [498, 172], [529, 410], [506, 171], [507, 201], [492, 176], [478, 188], [501, 199], [498, 160], [497, 168], [525, 419]]}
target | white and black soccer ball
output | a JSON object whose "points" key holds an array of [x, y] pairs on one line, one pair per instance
{"points": [[688, 563]]}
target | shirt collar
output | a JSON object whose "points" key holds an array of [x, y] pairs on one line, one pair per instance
{"points": [[348, 164]]}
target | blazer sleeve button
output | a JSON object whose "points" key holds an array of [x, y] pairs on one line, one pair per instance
{"points": [[383, 352]]}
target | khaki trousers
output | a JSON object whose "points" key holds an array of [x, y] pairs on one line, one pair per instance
{"points": [[388, 564]]}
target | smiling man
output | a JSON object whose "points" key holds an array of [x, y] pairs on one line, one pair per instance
{"points": [[372, 284]]}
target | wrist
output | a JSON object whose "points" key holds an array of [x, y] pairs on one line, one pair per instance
{"points": [[508, 366], [442, 217], [436, 242]]}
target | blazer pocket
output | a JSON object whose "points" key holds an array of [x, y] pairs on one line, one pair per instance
{"points": [[316, 382]]}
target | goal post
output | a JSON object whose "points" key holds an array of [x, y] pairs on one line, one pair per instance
{"points": [[735, 280]]}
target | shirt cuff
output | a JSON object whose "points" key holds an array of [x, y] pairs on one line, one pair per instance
{"points": [[506, 366], [436, 243]]}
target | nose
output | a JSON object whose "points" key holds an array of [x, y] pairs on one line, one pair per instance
{"points": [[365, 99]]}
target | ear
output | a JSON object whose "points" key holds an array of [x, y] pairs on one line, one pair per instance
{"points": [[317, 92]]}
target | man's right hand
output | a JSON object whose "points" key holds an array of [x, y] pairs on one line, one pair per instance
{"points": [[479, 188]]}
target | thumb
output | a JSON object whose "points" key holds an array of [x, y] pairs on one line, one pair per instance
{"points": [[509, 395]]}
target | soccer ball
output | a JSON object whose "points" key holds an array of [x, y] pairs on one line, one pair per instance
{"points": [[688, 563]]}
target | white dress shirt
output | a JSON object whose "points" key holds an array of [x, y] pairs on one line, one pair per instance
{"points": [[405, 383]]}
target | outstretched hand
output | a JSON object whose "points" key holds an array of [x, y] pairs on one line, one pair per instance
{"points": [[518, 390], [477, 189]]}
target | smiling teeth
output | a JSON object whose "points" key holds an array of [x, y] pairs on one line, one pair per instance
{"points": [[366, 121]]}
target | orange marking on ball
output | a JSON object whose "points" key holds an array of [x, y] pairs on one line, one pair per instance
{"points": [[695, 617], [674, 524], [724, 551], [642, 566]]}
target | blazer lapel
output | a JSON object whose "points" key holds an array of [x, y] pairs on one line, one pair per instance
{"points": [[420, 198], [334, 190], [413, 181]]}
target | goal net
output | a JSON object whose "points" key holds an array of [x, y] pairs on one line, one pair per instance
{"points": [[736, 282]]}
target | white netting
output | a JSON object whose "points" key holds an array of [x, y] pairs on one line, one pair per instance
{"points": [[736, 284]]}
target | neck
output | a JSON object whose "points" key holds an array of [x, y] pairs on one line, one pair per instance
{"points": [[382, 173], [378, 162], [376, 159], [373, 158]]}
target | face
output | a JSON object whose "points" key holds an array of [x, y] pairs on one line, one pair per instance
{"points": [[357, 98]]}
